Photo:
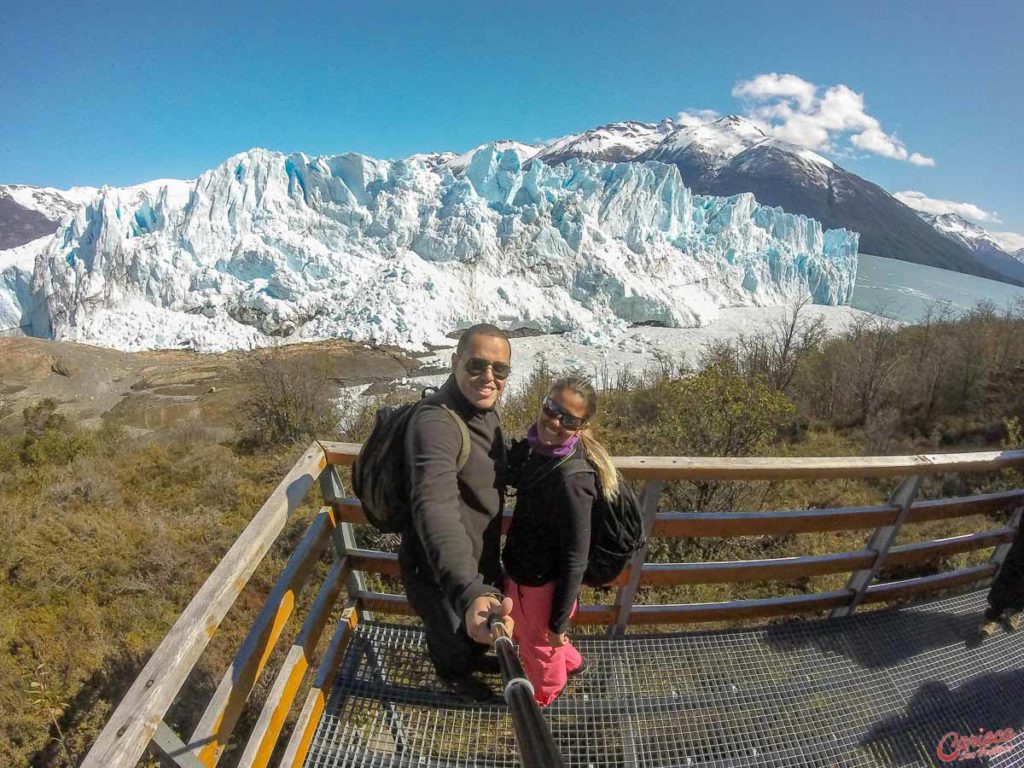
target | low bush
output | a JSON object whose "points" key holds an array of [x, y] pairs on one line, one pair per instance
{"points": [[288, 400]]}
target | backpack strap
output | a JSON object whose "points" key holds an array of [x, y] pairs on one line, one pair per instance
{"points": [[577, 465], [464, 431], [580, 465], [573, 464], [543, 472]]}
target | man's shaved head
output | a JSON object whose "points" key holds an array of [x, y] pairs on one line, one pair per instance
{"points": [[480, 329]]}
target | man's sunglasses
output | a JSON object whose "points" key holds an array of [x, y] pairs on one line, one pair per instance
{"points": [[475, 366], [566, 419]]}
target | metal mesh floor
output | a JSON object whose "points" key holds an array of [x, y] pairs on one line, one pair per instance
{"points": [[876, 689]]}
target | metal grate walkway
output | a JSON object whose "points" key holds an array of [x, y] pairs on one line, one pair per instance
{"points": [[876, 689]]}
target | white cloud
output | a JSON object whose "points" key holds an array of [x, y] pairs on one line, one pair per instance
{"points": [[1008, 241], [799, 129], [921, 202], [878, 141], [790, 108], [696, 117], [764, 87]]}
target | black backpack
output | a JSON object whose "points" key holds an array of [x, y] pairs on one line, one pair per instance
{"points": [[616, 527], [380, 474]]}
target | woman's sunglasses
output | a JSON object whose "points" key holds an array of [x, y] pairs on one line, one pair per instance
{"points": [[475, 366], [563, 417]]}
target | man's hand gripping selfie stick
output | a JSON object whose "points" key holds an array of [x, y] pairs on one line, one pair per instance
{"points": [[537, 748]]}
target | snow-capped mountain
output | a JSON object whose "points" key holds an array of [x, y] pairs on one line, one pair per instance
{"points": [[961, 230], [731, 155], [43, 209], [270, 245], [1011, 243], [701, 150], [55, 204], [615, 143], [27, 213], [980, 241]]}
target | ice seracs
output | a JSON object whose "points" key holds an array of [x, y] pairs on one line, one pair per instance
{"points": [[270, 247], [459, 163]]}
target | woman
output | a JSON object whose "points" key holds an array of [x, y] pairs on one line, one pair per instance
{"points": [[547, 546]]}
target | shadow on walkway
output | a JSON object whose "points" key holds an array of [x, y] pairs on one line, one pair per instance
{"points": [[991, 702], [878, 639]]}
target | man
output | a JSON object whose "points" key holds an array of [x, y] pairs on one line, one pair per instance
{"points": [[1006, 598], [450, 559]]}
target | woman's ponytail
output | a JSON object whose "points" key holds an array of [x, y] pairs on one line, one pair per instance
{"points": [[598, 456]]}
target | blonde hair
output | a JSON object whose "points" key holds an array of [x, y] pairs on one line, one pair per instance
{"points": [[596, 453]]}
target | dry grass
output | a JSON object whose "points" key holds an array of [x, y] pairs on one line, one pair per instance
{"points": [[99, 556], [104, 539]]}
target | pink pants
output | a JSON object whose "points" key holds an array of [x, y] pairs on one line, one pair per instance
{"points": [[546, 666]]}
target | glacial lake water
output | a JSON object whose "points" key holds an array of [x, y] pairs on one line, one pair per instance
{"points": [[904, 291]]}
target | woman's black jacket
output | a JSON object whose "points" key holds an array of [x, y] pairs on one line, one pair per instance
{"points": [[550, 535]]}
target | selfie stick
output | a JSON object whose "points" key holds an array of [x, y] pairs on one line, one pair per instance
{"points": [[537, 748]]}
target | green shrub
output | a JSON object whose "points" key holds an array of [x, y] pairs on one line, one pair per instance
{"points": [[109, 437], [718, 412], [55, 447], [9, 454], [288, 400], [44, 417]]}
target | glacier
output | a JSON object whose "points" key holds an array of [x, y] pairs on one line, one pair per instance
{"points": [[271, 248]]}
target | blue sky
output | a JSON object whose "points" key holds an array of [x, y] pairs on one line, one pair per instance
{"points": [[119, 93]]}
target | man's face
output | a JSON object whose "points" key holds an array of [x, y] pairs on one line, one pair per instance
{"points": [[483, 389]]}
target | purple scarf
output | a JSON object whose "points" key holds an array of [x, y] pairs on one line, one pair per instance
{"points": [[555, 451]]}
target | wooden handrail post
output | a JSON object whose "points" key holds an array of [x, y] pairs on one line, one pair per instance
{"points": [[331, 486], [627, 592], [880, 543], [333, 490], [354, 582]]}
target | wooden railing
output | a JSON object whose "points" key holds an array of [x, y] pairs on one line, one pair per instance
{"points": [[138, 722]]}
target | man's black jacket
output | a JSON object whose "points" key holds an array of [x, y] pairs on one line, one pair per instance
{"points": [[456, 515]]}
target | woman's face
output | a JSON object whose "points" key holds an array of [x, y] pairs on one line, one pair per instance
{"points": [[550, 429]]}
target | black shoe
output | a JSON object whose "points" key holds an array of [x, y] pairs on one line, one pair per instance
{"points": [[468, 688], [579, 671], [487, 665]]}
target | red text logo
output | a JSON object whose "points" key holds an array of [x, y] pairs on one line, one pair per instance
{"points": [[954, 746]]}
